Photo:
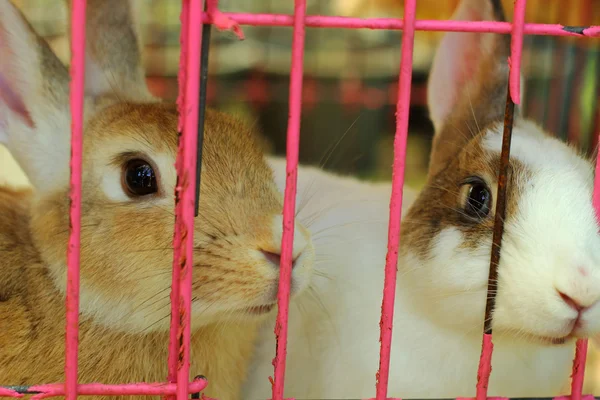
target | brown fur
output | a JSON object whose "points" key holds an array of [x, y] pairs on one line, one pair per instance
{"points": [[126, 243], [112, 45], [32, 308], [480, 103], [427, 218], [478, 107]]}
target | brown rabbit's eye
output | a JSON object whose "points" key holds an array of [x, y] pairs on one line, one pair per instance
{"points": [[139, 178], [477, 199]]}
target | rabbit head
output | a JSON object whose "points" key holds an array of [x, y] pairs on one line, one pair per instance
{"points": [[130, 144], [549, 270]]}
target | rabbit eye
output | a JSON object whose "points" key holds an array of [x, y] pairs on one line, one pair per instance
{"points": [[477, 199], [139, 178]]}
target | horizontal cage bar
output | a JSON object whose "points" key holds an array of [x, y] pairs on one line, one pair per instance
{"points": [[319, 21]]}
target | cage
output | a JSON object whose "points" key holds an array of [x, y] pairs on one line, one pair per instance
{"points": [[370, 88]]}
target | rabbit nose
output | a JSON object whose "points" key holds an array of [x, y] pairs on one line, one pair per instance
{"points": [[272, 250], [275, 258], [578, 303]]}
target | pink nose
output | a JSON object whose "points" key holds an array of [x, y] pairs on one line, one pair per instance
{"points": [[570, 302]]}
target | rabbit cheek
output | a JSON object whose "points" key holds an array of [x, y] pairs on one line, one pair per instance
{"points": [[549, 279], [450, 283], [237, 276]]}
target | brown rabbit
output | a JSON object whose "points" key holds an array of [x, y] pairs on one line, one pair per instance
{"points": [[130, 142]]}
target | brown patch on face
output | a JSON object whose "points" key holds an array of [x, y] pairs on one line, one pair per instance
{"points": [[480, 103], [441, 203]]}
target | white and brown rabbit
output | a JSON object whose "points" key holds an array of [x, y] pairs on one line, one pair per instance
{"points": [[549, 272], [130, 142]]}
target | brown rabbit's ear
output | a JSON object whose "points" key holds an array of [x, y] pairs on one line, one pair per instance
{"points": [[34, 102], [113, 56], [468, 82]]}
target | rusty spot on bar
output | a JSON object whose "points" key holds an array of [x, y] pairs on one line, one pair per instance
{"points": [[196, 395], [579, 30], [180, 338], [500, 213], [204, 51]]}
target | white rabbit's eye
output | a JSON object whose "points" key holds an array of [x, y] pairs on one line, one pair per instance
{"points": [[139, 178], [477, 199]]}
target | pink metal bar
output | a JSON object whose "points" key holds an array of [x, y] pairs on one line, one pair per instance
{"points": [[289, 202], [220, 20], [596, 196], [320, 21], [401, 135], [186, 179], [73, 254], [585, 397], [132, 389], [579, 363], [9, 393], [485, 366], [175, 297], [516, 49]]}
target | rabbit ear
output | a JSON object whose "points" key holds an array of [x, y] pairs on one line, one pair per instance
{"points": [[468, 81], [113, 56], [34, 99]]}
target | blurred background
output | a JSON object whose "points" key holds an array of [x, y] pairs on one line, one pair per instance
{"points": [[350, 82]]}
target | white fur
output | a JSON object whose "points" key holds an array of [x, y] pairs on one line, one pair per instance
{"points": [[41, 154], [333, 348], [554, 234]]}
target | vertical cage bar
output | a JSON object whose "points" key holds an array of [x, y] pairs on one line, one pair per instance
{"points": [[181, 78], [204, 53], [581, 347], [186, 180], [516, 50], [596, 196], [395, 216], [512, 97], [578, 372], [289, 202], [73, 251], [485, 361]]}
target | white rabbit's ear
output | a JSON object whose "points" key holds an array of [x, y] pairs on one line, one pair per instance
{"points": [[34, 101], [468, 81], [113, 56]]}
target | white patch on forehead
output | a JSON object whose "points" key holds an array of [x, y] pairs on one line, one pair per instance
{"points": [[535, 149]]}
